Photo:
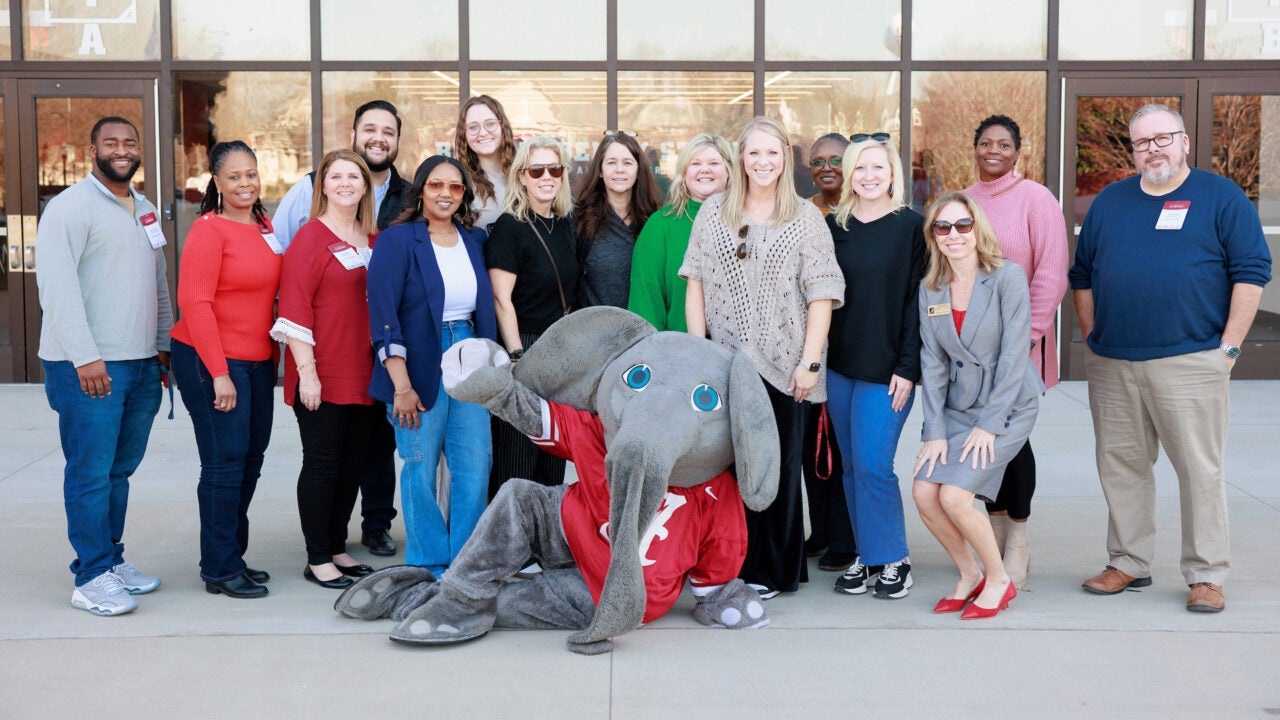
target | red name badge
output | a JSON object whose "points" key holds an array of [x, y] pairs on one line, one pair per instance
{"points": [[151, 224], [1173, 215]]}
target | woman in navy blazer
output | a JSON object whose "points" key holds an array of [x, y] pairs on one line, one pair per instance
{"points": [[428, 289]]}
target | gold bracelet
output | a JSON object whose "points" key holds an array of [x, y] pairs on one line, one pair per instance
{"points": [[305, 365], [402, 393]]}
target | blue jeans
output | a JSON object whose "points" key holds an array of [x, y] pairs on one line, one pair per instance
{"points": [[232, 446], [867, 430], [461, 430], [103, 440]]}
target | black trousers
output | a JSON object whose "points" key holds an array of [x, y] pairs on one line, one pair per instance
{"points": [[378, 478], [829, 523], [1018, 486], [515, 455], [335, 439], [775, 536]]}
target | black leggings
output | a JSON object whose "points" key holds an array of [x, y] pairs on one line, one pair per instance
{"points": [[1018, 486]]}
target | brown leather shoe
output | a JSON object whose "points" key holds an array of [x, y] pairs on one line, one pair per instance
{"points": [[1206, 597], [1111, 581]]}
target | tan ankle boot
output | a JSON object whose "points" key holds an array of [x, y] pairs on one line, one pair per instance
{"points": [[999, 526], [1017, 553]]}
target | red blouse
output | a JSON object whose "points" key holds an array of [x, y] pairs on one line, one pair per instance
{"points": [[958, 317]]}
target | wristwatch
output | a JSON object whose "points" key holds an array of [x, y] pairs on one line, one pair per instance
{"points": [[813, 367], [1231, 351]]}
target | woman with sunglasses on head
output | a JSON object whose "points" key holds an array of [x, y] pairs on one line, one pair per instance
{"points": [[225, 362], [1029, 224], [980, 394], [485, 145], [763, 280], [657, 290], [615, 199], [533, 267], [874, 357], [428, 289]]}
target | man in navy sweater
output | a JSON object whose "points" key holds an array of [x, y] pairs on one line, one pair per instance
{"points": [[1168, 274]]}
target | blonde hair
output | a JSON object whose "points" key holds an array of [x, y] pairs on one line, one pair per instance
{"points": [[517, 199], [320, 203], [787, 204], [849, 199], [678, 195], [989, 255]]}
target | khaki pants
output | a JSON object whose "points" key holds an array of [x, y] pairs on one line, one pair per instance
{"points": [[1180, 403]]}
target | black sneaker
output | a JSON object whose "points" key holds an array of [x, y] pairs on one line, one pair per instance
{"points": [[854, 580], [895, 580], [836, 561]]}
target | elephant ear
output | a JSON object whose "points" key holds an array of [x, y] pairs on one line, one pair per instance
{"points": [[757, 455], [565, 364]]}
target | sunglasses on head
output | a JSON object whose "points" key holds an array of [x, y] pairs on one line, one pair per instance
{"points": [[942, 228], [877, 136], [535, 171], [741, 251], [455, 189]]}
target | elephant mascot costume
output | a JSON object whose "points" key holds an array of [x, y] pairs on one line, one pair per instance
{"points": [[652, 422]]}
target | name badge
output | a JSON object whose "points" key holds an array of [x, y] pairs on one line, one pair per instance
{"points": [[346, 255], [151, 224], [1173, 215], [272, 242], [940, 309]]}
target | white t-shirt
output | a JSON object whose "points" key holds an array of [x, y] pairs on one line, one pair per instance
{"points": [[459, 281]]}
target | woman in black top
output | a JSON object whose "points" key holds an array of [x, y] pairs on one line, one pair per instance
{"points": [[874, 355], [534, 272]]}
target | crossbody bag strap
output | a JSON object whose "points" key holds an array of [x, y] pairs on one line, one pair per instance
{"points": [[559, 285]]}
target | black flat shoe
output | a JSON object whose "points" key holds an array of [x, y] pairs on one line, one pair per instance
{"points": [[339, 583], [379, 542], [354, 570], [237, 587], [262, 577]]}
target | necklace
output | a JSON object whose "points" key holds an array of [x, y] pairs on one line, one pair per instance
{"points": [[549, 227]]}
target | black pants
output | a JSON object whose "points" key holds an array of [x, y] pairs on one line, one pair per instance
{"points": [[335, 439], [775, 536], [1018, 486], [515, 455], [378, 478], [829, 523]]}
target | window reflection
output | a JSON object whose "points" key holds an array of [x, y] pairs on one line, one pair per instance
{"points": [[544, 30], [1102, 136], [241, 30], [1146, 30], [427, 103], [6, 48], [63, 125], [1245, 30], [646, 30], [80, 30], [821, 30], [349, 31], [949, 30]]}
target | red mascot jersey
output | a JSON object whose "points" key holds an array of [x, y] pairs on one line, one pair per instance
{"points": [[698, 532]]}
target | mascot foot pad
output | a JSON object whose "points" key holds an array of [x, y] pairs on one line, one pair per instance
{"points": [[374, 596], [735, 606], [446, 619]]}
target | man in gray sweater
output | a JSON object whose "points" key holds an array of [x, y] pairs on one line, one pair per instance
{"points": [[101, 273]]}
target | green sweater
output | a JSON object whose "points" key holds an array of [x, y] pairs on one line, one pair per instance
{"points": [[657, 290]]}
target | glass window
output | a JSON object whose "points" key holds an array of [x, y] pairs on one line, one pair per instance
{"points": [[946, 107], [349, 31], [79, 30], [63, 126], [1242, 29], [1102, 143], [427, 103], [241, 30], [678, 30], [269, 111], [6, 49], [546, 30], [818, 30], [949, 30], [569, 106], [1146, 30]]}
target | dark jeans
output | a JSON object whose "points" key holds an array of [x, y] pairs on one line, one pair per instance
{"points": [[515, 455], [334, 441], [775, 536], [232, 446], [378, 480], [1018, 486]]}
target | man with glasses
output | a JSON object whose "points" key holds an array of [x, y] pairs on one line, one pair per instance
{"points": [[1168, 274]]}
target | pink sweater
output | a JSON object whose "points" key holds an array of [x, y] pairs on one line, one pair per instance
{"points": [[1032, 232]]}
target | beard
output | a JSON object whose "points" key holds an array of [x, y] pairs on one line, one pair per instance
{"points": [[378, 167], [104, 164], [1161, 175]]}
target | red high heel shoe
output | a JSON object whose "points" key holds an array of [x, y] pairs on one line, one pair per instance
{"points": [[977, 612], [950, 605]]}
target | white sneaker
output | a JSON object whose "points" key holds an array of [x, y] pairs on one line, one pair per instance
{"points": [[135, 583], [104, 595]]}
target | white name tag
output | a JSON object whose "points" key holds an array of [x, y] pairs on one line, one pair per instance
{"points": [[151, 224], [346, 255], [272, 242], [1173, 215]]}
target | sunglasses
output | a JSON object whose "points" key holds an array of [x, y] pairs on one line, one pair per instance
{"points": [[616, 133], [455, 189], [877, 136], [832, 162], [942, 228], [535, 171], [741, 252]]}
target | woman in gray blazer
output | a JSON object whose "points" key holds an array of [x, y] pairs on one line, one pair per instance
{"points": [[980, 394]]}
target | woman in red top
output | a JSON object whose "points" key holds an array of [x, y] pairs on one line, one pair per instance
{"points": [[324, 319], [224, 359]]}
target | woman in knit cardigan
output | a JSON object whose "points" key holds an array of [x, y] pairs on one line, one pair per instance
{"points": [[1029, 224]]}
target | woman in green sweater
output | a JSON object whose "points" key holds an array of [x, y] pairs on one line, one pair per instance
{"points": [[657, 291]]}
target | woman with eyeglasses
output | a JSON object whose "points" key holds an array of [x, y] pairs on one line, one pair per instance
{"points": [[428, 289], [657, 291], [484, 144], [825, 159], [763, 280], [615, 200], [533, 267], [980, 394], [1029, 224], [874, 357]]}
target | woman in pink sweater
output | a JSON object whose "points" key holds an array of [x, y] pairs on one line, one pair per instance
{"points": [[1029, 224]]}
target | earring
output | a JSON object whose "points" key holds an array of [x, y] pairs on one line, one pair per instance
{"points": [[219, 201]]}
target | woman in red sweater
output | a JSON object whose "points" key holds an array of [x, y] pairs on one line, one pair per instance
{"points": [[224, 359], [324, 319]]}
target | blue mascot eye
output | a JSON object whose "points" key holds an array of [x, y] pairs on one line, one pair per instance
{"points": [[705, 398], [637, 376]]}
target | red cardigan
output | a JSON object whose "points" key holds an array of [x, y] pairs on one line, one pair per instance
{"points": [[324, 304], [227, 283]]}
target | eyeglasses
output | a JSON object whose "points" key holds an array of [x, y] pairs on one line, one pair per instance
{"points": [[942, 228], [489, 126], [831, 162], [455, 189], [535, 171], [1161, 140], [741, 252], [616, 133], [877, 136]]}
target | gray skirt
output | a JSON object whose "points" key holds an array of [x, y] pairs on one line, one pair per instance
{"points": [[984, 483]]}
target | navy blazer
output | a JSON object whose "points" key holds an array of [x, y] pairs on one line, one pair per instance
{"points": [[406, 306]]}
